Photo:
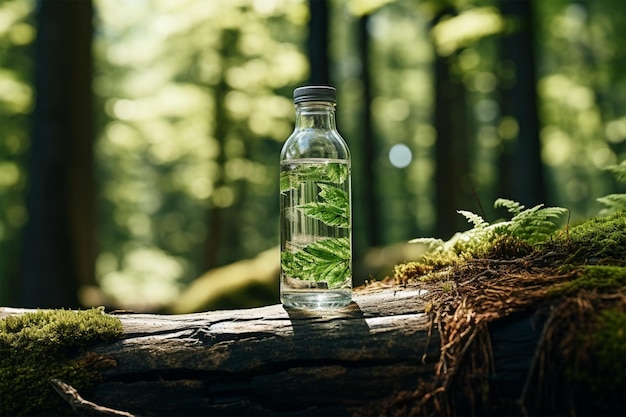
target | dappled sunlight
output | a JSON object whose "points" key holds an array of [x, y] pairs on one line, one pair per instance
{"points": [[557, 146], [567, 91], [508, 128], [145, 279], [615, 130], [452, 33], [193, 99], [193, 93], [15, 95], [17, 100], [9, 174]]}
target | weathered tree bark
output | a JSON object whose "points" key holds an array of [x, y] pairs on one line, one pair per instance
{"points": [[273, 361], [269, 361]]}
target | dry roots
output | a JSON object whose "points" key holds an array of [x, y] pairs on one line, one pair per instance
{"points": [[484, 291]]}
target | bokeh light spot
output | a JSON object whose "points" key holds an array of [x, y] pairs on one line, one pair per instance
{"points": [[400, 155]]}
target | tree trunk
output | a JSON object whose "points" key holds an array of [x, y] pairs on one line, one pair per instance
{"points": [[368, 148], [452, 151], [59, 250], [520, 164], [317, 43]]}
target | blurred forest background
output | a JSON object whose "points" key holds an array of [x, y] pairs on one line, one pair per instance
{"points": [[139, 139]]}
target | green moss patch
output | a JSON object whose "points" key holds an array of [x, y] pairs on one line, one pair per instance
{"points": [[38, 346], [598, 240], [607, 352], [594, 277]]}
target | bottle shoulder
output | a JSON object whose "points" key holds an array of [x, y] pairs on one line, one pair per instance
{"points": [[315, 143]]}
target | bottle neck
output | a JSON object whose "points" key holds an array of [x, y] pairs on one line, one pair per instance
{"points": [[315, 115]]}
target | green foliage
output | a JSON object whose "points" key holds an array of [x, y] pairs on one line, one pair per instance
{"points": [[532, 225], [195, 102], [326, 260], [598, 240], [619, 171], [333, 173], [614, 202], [333, 210], [505, 247], [526, 227], [517, 237], [38, 346], [478, 222]]}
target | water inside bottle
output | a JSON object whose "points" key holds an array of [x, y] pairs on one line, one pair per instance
{"points": [[316, 261]]}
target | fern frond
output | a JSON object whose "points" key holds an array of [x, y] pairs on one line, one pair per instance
{"points": [[475, 219], [324, 173], [334, 210], [535, 224], [619, 171], [512, 207], [615, 201], [501, 228], [612, 203], [432, 243], [525, 229], [326, 260]]}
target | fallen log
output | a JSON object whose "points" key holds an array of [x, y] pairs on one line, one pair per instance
{"points": [[276, 361], [373, 357]]}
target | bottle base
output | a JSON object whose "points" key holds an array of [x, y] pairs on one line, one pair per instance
{"points": [[316, 299]]}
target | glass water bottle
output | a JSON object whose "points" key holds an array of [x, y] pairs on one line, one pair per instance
{"points": [[315, 206]]}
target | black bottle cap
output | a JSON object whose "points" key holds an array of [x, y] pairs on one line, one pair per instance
{"points": [[314, 93]]}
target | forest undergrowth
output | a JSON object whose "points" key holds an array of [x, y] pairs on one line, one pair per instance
{"points": [[571, 281]]}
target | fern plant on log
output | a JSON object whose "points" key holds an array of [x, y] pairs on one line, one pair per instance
{"points": [[576, 275]]}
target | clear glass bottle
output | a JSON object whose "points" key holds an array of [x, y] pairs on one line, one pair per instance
{"points": [[315, 206]]}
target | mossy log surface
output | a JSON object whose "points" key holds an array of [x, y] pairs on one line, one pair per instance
{"points": [[273, 361]]}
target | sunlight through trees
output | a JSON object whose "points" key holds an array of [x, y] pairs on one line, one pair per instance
{"points": [[193, 102]]}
